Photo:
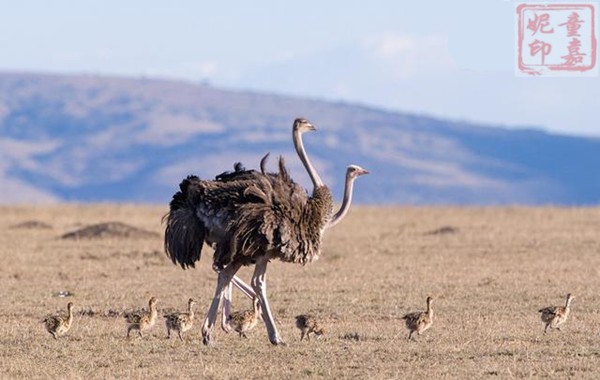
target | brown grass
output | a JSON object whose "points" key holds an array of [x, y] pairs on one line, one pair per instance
{"points": [[489, 272]]}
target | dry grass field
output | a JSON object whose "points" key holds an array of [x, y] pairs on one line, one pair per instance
{"points": [[489, 270]]}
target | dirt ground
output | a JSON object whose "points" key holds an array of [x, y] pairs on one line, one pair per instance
{"points": [[488, 269]]}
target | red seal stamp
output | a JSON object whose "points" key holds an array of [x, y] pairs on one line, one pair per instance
{"points": [[556, 39]]}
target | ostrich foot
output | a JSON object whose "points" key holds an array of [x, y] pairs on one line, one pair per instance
{"points": [[206, 339], [226, 326], [276, 341]]}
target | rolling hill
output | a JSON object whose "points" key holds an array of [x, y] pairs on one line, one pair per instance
{"points": [[92, 138]]}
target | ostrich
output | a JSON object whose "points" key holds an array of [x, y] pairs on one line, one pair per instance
{"points": [[58, 325], [419, 321], [201, 210], [299, 195], [245, 320], [142, 321], [308, 323], [554, 316], [180, 322], [204, 210]]}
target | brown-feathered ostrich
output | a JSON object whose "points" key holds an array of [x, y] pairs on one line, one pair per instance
{"points": [[263, 216], [202, 209], [299, 195]]}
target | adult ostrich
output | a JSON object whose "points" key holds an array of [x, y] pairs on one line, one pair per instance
{"points": [[202, 209], [279, 223], [352, 172]]}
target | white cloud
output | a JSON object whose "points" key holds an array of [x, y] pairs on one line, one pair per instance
{"points": [[20, 150], [14, 191], [405, 56], [390, 45]]}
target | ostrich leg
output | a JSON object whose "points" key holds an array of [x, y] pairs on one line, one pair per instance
{"points": [[245, 288], [226, 311], [260, 287], [223, 281]]}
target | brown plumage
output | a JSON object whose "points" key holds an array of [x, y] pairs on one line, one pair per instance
{"points": [[58, 325], [250, 217], [142, 320], [554, 316], [419, 321], [308, 323], [180, 322], [276, 225], [245, 320]]}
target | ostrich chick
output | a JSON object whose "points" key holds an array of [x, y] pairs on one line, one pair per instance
{"points": [[419, 321], [245, 320], [59, 324], [308, 323], [180, 322], [554, 316], [144, 320]]}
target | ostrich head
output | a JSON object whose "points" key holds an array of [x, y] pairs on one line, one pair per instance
{"points": [[191, 302], [152, 302], [354, 171], [70, 306], [319, 332], [302, 125], [569, 299]]}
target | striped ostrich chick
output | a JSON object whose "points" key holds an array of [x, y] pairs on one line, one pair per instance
{"points": [[245, 320], [180, 322], [308, 323], [58, 325], [143, 320], [419, 321], [554, 316]]}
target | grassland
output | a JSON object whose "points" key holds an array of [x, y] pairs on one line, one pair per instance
{"points": [[489, 270]]}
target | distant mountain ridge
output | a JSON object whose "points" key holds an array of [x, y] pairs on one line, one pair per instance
{"points": [[92, 138]]}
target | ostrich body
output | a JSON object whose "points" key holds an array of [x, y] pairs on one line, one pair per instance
{"points": [[180, 322], [58, 325], [554, 316], [142, 321], [419, 321], [252, 217], [245, 320], [308, 323]]}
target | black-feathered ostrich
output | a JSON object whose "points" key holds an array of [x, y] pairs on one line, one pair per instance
{"points": [[202, 209], [272, 217]]}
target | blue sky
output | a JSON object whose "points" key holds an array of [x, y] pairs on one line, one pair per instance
{"points": [[452, 59]]}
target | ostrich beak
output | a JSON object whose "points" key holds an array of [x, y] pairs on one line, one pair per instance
{"points": [[363, 171]]}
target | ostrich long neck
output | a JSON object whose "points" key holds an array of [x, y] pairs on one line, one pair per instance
{"points": [[153, 311], [190, 310], [314, 176], [341, 213], [70, 316]]}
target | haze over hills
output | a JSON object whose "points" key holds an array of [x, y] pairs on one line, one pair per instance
{"points": [[92, 138]]}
